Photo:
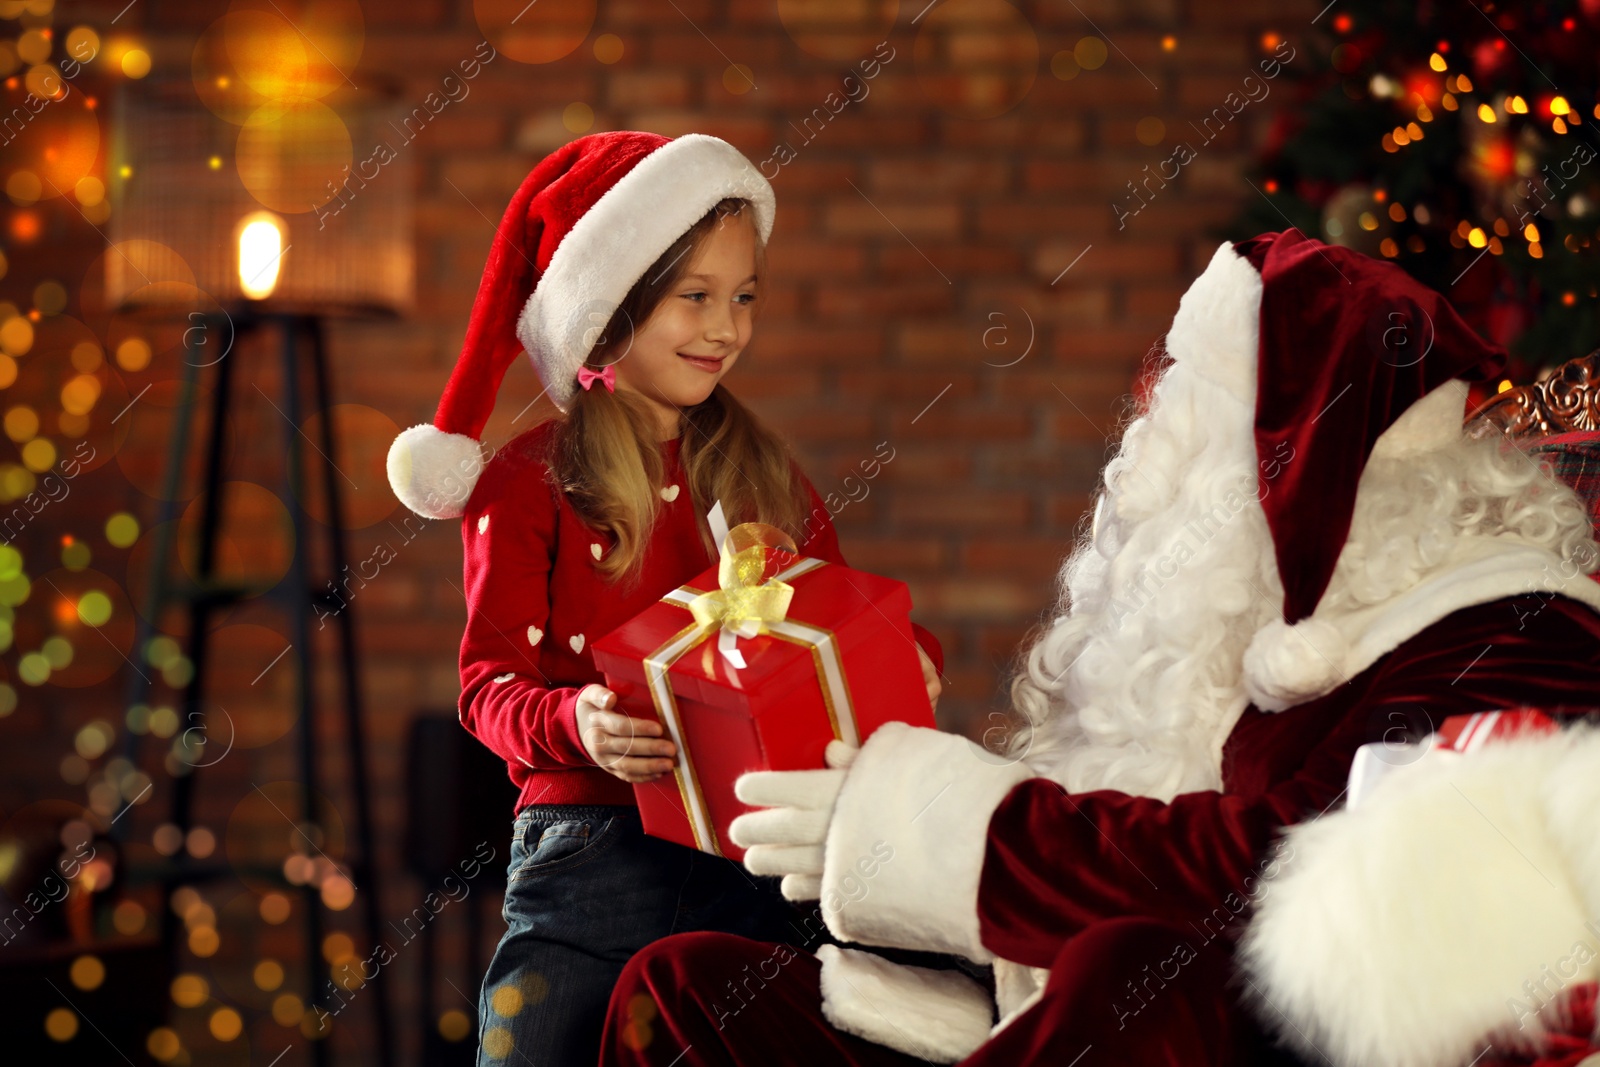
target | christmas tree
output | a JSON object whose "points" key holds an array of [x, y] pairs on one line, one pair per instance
{"points": [[1460, 141]]}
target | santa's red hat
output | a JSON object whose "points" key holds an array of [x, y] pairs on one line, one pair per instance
{"points": [[1337, 357], [1347, 345], [584, 226]]}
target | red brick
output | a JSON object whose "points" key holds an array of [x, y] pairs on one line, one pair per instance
{"points": [[901, 177], [886, 217], [897, 556], [1002, 645], [1031, 557], [1024, 217], [897, 261], [973, 509], [982, 599], [920, 385], [1065, 511], [1154, 303], [646, 89], [927, 296], [1016, 131]]}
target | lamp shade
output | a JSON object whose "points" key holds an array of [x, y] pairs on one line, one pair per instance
{"points": [[287, 211]]}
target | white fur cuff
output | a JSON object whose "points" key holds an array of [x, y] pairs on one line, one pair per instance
{"points": [[938, 1016], [1457, 902], [906, 843]]}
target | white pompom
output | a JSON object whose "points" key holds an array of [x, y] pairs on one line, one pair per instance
{"points": [[433, 472], [1288, 665]]}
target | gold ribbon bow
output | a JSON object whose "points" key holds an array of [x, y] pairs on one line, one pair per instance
{"points": [[747, 602]]}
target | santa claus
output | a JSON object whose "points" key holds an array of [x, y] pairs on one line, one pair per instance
{"points": [[1297, 552]]}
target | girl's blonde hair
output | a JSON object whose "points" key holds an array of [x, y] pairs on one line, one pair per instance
{"points": [[605, 453]]}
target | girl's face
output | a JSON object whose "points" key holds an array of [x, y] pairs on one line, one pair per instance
{"points": [[696, 333]]}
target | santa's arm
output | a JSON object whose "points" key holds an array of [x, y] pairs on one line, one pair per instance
{"points": [[1056, 862], [1052, 862]]}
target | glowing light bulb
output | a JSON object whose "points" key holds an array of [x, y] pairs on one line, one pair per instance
{"points": [[261, 252]]}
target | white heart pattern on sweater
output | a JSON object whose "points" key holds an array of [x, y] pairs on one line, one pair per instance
{"points": [[576, 643], [505, 677], [670, 493], [534, 634], [595, 550], [483, 523]]}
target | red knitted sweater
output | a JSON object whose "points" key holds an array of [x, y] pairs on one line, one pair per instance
{"points": [[536, 602]]}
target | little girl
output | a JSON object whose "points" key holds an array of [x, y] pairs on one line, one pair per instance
{"points": [[630, 265]]}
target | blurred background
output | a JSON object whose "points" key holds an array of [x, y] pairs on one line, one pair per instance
{"points": [[239, 823]]}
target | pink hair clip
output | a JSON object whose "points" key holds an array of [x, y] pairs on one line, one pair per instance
{"points": [[607, 377]]}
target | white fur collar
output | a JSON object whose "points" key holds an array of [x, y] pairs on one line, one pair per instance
{"points": [[1288, 665]]}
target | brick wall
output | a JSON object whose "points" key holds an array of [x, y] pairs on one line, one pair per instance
{"points": [[916, 251]]}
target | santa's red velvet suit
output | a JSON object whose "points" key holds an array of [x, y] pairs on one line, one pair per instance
{"points": [[1107, 878]]}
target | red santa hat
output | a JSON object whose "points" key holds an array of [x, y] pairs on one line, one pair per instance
{"points": [[1347, 345], [1335, 350], [583, 227]]}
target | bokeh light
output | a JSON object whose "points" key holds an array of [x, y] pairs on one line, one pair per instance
{"points": [[128, 917], [225, 1024], [148, 431], [535, 33], [259, 543], [267, 829], [292, 156], [275, 908], [122, 530], [287, 1009], [135, 62], [61, 1024], [267, 975], [454, 1025], [190, 990], [85, 598], [163, 1044], [87, 972], [52, 152], [608, 48], [204, 942]]}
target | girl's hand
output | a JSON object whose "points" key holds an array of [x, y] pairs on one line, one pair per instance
{"points": [[631, 749], [930, 676]]}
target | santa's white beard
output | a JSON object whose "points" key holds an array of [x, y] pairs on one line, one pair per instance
{"points": [[1138, 681]]}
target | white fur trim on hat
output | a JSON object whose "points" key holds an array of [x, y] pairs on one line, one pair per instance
{"points": [[1217, 327], [610, 247], [1432, 422], [433, 472], [1286, 666], [1284, 663]]}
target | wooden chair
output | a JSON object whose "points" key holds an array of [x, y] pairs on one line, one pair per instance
{"points": [[1568, 401], [1558, 422]]}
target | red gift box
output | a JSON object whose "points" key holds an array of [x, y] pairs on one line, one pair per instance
{"points": [[839, 663], [1468, 733]]}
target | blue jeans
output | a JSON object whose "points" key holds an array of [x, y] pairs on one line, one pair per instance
{"points": [[586, 889]]}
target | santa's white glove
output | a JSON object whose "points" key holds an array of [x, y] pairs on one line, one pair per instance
{"points": [[787, 837]]}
